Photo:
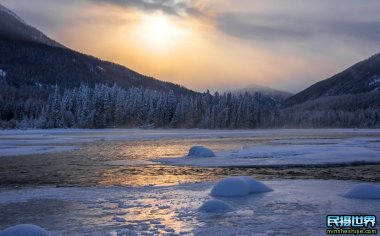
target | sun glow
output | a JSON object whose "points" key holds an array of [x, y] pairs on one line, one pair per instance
{"points": [[159, 32]]}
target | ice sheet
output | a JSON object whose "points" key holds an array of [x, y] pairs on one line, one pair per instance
{"points": [[289, 153], [21, 142], [295, 207]]}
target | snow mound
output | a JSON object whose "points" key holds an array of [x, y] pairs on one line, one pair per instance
{"points": [[230, 187], [200, 151], [238, 187], [366, 191], [24, 230], [255, 186], [215, 206]]}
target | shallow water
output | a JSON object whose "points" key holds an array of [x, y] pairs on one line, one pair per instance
{"points": [[295, 207], [96, 187], [132, 162]]}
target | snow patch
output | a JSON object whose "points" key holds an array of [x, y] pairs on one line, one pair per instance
{"points": [[215, 206], [200, 151], [364, 191], [28, 150], [100, 68], [375, 81], [24, 230], [3, 73], [342, 151]]}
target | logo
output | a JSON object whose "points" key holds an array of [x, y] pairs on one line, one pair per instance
{"points": [[351, 224]]}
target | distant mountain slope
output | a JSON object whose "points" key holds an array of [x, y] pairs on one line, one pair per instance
{"points": [[29, 58], [362, 77], [13, 27], [266, 91]]}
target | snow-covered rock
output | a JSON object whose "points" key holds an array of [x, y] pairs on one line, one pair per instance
{"points": [[367, 191], [255, 186], [24, 230], [215, 206], [230, 187], [238, 187], [200, 151]]}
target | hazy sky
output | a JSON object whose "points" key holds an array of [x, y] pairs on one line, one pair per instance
{"points": [[215, 44]]}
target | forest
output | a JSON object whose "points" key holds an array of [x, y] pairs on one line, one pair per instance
{"points": [[111, 106], [102, 106]]}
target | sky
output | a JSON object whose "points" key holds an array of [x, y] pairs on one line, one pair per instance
{"points": [[215, 44]]}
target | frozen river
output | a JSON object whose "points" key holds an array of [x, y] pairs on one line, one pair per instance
{"points": [[126, 181]]}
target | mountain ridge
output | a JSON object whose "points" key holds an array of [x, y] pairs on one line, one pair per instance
{"points": [[13, 27], [266, 91], [29, 57], [361, 77]]}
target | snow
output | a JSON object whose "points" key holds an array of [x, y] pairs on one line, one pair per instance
{"points": [[238, 187], [200, 151], [375, 80], [100, 68], [24, 230], [215, 206], [281, 150], [294, 206], [255, 186], [364, 191], [3, 73], [27, 150], [230, 187], [289, 153]]}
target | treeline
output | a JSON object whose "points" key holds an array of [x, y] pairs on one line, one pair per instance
{"points": [[354, 111], [104, 106]]}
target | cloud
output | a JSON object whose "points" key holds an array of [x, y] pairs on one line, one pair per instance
{"points": [[290, 28], [172, 7], [261, 27]]}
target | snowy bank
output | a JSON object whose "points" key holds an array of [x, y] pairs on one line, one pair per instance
{"points": [[52, 139], [292, 153]]}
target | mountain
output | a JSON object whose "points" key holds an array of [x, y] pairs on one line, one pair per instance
{"points": [[265, 91], [362, 77], [29, 58], [13, 27]]}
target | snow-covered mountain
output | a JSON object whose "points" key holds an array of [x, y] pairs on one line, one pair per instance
{"points": [[30, 58], [266, 91], [13, 27], [362, 77]]}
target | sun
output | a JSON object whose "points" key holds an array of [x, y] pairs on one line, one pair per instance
{"points": [[159, 32]]}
